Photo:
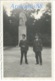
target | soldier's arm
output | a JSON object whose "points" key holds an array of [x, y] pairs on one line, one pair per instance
{"points": [[34, 45], [41, 44]]}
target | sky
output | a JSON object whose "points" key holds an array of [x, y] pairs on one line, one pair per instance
{"points": [[9, 6]]}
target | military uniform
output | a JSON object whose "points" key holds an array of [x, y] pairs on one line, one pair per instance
{"points": [[24, 48], [37, 48]]}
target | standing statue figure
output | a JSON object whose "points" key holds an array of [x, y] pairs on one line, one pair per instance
{"points": [[22, 19]]}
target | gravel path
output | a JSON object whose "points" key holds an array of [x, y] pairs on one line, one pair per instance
{"points": [[12, 67]]}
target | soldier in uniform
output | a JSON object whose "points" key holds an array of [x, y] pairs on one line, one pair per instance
{"points": [[37, 48], [24, 48]]}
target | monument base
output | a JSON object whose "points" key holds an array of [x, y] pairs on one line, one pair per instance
{"points": [[22, 30]]}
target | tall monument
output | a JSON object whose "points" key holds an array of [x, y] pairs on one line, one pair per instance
{"points": [[22, 26]]}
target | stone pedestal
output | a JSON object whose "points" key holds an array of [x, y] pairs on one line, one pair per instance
{"points": [[22, 30]]}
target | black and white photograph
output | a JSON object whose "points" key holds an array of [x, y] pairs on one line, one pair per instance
{"points": [[27, 39]]}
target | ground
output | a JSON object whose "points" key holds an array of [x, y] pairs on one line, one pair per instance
{"points": [[12, 67]]}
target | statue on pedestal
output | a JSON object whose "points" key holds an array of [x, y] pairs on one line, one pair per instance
{"points": [[22, 25]]}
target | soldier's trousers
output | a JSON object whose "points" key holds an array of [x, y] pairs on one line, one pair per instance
{"points": [[38, 57], [23, 53]]}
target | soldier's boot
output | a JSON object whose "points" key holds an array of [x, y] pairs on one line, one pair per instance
{"points": [[36, 56], [26, 59], [21, 59], [40, 59]]}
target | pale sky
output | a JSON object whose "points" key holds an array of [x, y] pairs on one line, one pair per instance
{"points": [[7, 5]]}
